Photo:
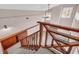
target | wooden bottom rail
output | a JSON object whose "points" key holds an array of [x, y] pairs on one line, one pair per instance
{"points": [[59, 49], [51, 51], [63, 45]]}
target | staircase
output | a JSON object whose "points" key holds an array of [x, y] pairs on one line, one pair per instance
{"points": [[50, 37]]}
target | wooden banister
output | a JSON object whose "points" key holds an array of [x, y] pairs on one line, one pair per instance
{"points": [[58, 46], [66, 35], [59, 26], [32, 27], [30, 35], [31, 39], [34, 40], [60, 33]]}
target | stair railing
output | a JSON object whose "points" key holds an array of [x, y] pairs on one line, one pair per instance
{"points": [[30, 40], [57, 43], [49, 32]]}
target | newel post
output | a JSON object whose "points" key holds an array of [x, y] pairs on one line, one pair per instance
{"points": [[41, 34]]}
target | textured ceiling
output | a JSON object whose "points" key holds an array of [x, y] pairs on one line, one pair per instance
{"points": [[12, 10], [40, 7], [24, 6]]}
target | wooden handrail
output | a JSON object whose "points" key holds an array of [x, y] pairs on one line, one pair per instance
{"points": [[66, 35], [32, 27], [58, 46], [30, 34], [61, 27], [32, 38]]}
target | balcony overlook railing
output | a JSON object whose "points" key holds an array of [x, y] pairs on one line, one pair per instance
{"points": [[61, 37], [49, 36]]}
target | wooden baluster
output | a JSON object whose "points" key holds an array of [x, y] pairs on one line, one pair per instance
{"points": [[36, 39], [52, 42], [37, 46], [46, 36], [32, 41], [26, 41], [29, 42], [69, 50], [41, 33]]}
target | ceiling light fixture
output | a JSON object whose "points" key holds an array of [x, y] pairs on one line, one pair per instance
{"points": [[27, 17], [5, 26]]}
